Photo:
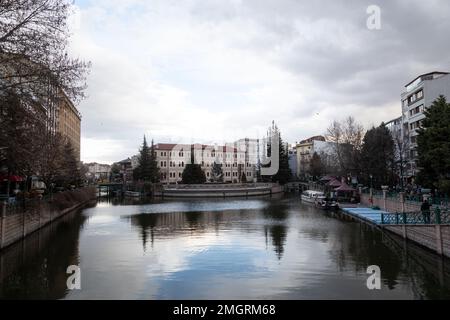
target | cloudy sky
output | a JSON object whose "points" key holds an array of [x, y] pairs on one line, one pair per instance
{"points": [[218, 70]]}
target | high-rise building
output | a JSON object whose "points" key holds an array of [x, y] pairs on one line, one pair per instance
{"points": [[68, 122], [419, 94]]}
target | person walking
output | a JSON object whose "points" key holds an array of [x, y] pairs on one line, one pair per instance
{"points": [[425, 208]]}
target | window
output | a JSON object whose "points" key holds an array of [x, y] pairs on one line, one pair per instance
{"points": [[420, 94]]}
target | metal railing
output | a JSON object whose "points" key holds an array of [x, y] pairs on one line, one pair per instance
{"points": [[436, 216]]}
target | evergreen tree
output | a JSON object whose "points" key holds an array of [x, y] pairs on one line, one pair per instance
{"points": [[155, 174], [377, 155], [433, 147], [217, 172], [284, 172], [147, 169], [193, 172], [71, 174], [316, 166]]}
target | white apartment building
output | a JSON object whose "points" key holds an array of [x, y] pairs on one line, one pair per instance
{"points": [[98, 170], [306, 149], [419, 94], [235, 159]]}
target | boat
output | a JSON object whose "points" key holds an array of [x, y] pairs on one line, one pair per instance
{"points": [[327, 204], [312, 196], [132, 194]]}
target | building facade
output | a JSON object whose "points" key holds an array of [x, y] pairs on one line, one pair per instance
{"points": [[305, 150], [98, 171], [292, 160], [236, 161], [419, 94], [68, 123]]}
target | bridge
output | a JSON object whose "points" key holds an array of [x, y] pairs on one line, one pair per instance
{"points": [[109, 187]]}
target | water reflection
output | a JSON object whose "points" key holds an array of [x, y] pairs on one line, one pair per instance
{"points": [[276, 213], [242, 249], [36, 267]]}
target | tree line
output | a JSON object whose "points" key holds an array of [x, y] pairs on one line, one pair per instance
{"points": [[380, 156], [35, 72]]}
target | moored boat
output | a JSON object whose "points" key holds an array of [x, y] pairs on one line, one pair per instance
{"points": [[132, 194], [312, 196]]}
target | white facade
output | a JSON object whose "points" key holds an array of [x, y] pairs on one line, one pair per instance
{"points": [[419, 94], [173, 158], [306, 149], [98, 170]]}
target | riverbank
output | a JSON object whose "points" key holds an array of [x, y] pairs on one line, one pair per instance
{"points": [[20, 220], [222, 190]]}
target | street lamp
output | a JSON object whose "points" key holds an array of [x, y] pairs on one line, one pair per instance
{"points": [[371, 176]]}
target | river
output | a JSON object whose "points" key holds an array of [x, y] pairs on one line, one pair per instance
{"points": [[217, 249]]}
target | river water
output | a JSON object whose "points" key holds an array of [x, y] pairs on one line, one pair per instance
{"points": [[217, 249]]}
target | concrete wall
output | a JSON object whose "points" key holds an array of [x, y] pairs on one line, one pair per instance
{"points": [[222, 190], [434, 237], [17, 225]]}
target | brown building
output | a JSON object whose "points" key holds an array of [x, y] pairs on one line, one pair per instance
{"points": [[68, 123]]}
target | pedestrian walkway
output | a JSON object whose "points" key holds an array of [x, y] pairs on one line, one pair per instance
{"points": [[367, 214]]}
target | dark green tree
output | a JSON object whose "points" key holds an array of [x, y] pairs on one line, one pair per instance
{"points": [[284, 172], [217, 173], [155, 174], [147, 169], [193, 173], [377, 156], [70, 170], [316, 166], [433, 147]]}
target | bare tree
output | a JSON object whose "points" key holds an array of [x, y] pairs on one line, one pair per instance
{"points": [[33, 49], [347, 137]]}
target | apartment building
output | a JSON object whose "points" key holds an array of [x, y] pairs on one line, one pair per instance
{"points": [[419, 94], [68, 122], [305, 150], [98, 170], [236, 160]]}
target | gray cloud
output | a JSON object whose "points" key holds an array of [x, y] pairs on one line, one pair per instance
{"points": [[220, 69]]}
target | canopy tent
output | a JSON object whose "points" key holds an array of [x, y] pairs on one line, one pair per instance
{"points": [[344, 188], [11, 178], [326, 178], [334, 183]]}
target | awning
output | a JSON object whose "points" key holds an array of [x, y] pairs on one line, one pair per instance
{"points": [[344, 187], [334, 183], [11, 178]]}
